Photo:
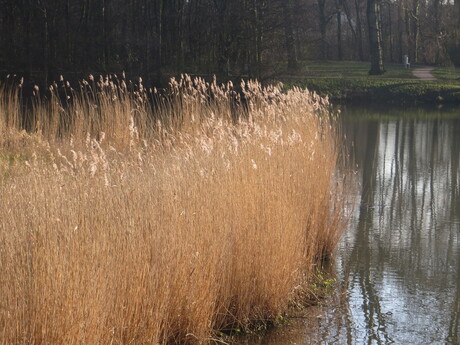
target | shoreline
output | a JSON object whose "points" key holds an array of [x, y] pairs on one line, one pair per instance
{"points": [[405, 91]]}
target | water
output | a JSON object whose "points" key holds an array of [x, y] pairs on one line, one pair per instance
{"points": [[398, 262]]}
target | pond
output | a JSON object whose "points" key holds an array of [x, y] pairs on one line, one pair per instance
{"points": [[397, 265]]}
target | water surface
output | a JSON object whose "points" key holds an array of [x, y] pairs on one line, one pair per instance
{"points": [[398, 262]]}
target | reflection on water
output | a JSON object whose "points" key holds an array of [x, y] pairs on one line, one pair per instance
{"points": [[398, 262], [401, 257]]}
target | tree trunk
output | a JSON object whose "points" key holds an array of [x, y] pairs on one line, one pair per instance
{"points": [[46, 47], [359, 30], [416, 28], [409, 21], [158, 42], [457, 24], [401, 50], [323, 27], [390, 33], [351, 25], [104, 36], [339, 30], [257, 39], [222, 42], [180, 37], [375, 37], [28, 42], [437, 27], [289, 36]]}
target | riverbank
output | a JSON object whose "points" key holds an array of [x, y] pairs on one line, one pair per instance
{"points": [[371, 90], [349, 82]]}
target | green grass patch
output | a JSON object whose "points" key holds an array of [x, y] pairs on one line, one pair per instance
{"points": [[350, 69], [378, 112], [385, 90], [380, 89], [349, 81], [447, 73]]}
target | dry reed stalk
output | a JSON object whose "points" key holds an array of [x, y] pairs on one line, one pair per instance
{"points": [[131, 224]]}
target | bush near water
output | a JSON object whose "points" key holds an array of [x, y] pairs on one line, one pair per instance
{"points": [[130, 217]]}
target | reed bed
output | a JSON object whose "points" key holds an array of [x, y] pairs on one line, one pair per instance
{"points": [[130, 216]]}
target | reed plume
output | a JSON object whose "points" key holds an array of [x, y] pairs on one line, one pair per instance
{"points": [[134, 216]]}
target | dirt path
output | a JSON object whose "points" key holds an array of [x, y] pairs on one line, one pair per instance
{"points": [[424, 73]]}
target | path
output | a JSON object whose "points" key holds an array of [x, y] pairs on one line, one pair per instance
{"points": [[424, 73]]}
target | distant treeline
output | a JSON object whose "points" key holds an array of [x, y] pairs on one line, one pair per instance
{"points": [[155, 38]]}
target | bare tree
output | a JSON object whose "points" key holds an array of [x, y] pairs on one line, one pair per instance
{"points": [[287, 7], [375, 37]]}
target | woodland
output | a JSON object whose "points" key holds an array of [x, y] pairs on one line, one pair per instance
{"points": [[156, 39]]}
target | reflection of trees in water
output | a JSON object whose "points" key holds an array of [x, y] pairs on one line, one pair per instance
{"points": [[420, 216], [374, 318], [454, 336], [454, 332], [408, 216]]}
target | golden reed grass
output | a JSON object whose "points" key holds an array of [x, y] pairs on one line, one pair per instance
{"points": [[130, 217]]}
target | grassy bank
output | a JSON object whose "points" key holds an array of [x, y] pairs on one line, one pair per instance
{"points": [[132, 218], [348, 81]]}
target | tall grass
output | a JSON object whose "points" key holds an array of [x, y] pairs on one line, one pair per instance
{"points": [[130, 217]]}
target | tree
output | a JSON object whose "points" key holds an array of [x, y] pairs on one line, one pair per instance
{"points": [[375, 37], [291, 50], [338, 7], [159, 38], [323, 23]]}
